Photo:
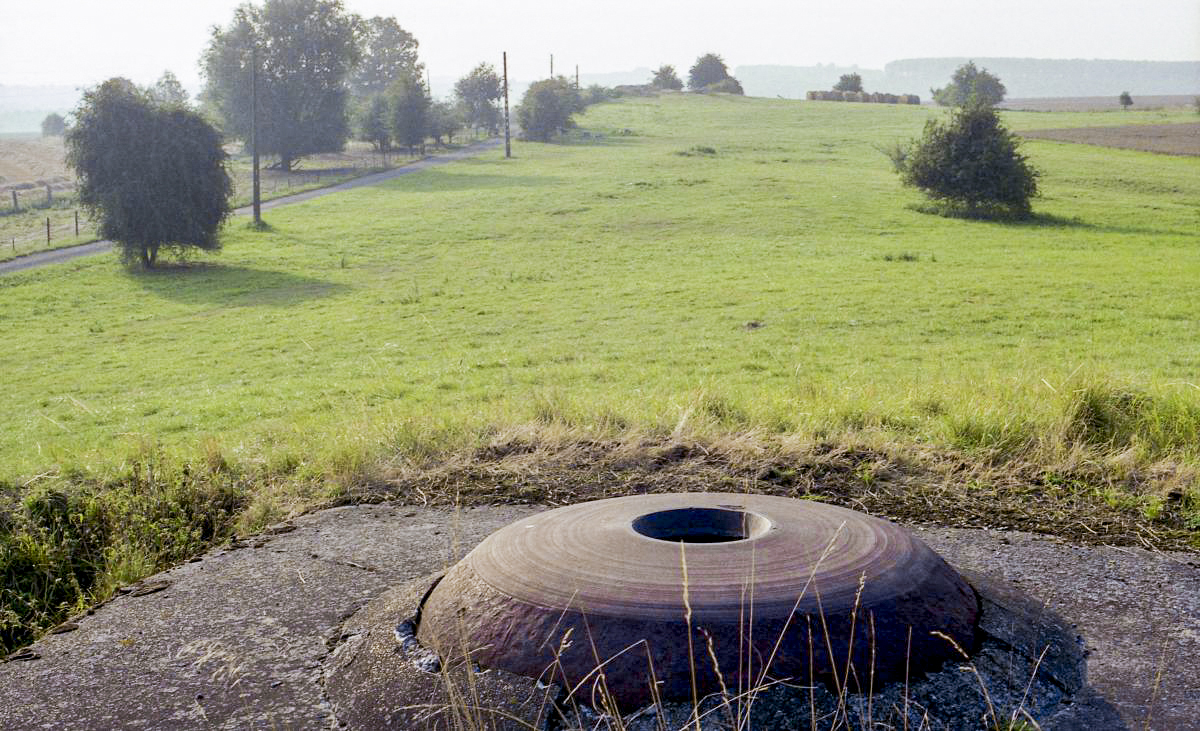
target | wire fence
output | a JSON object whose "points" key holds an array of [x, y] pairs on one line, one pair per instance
{"points": [[40, 216], [37, 217]]}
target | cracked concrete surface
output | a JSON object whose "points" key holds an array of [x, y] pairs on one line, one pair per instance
{"points": [[239, 638]]}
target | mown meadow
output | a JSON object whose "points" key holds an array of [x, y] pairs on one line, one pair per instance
{"points": [[713, 269]]}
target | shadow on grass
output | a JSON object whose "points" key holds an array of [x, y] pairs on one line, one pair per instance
{"points": [[1046, 220], [436, 181], [1039, 220], [207, 283], [589, 138]]}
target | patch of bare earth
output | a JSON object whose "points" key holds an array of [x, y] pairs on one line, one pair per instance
{"points": [[924, 488], [1168, 139], [1095, 103]]}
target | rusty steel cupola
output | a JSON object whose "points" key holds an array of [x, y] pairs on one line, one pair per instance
{"points": [[676, 596]]}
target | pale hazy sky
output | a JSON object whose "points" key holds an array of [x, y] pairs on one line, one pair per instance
{"points": [[81, 42]]}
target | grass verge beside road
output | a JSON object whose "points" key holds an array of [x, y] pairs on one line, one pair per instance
{"points": [[738, 285]]}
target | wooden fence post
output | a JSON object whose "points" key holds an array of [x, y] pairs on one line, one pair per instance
{"points": [[77, 223], [47, 229], [16, 205]]}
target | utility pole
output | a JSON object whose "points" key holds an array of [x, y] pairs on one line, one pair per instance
{"points": [[576, 77], [552, 65], [507, 137], [257, 193]]}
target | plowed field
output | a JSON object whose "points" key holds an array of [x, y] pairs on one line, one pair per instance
{"points": [[1169, 139], [1096, 103]]}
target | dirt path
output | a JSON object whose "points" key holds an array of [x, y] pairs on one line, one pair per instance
{"points": [[237, 638], [54, 256]]}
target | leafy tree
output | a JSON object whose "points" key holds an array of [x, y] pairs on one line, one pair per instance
{"points": [[708, 69], [477, 93], [306, 50], [971, 161], [53, 125], [666, 78], [167, 90], [374, 125], [410, 111], [1126, 100], [970, 86], [849, 82], [445, 120], [726, 86], [387, 53], [547, 107], [152, 175], [595, 94]]}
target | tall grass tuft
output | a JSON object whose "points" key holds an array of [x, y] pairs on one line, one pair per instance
{"points": [[1113, 417]]}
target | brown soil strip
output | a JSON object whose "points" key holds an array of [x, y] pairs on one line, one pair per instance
{"points": [[925, 488], [1096, 103], [1168, 139]]}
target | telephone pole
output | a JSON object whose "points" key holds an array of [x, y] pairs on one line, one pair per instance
{"points": [[257, 192], [576, 77], [507, 138], [552, 65]]}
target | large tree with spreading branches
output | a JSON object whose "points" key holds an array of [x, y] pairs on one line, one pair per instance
{"points": [[304, 51], [970, 85], [478, 93]]}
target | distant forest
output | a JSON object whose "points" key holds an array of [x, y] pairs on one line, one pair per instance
{"points": [[1023, 77]]}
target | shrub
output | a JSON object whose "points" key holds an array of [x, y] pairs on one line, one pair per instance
{"points": [[849, 82], [53, 125], [547, 107], [445, 120], [410, 111], [70, 541], [666, 78], [970, 86], [596, 94], [709, 69], [728, 85], [373, 123], [971, 161]]}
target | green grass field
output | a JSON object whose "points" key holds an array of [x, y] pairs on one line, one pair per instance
{"points": [[714, 267]]}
